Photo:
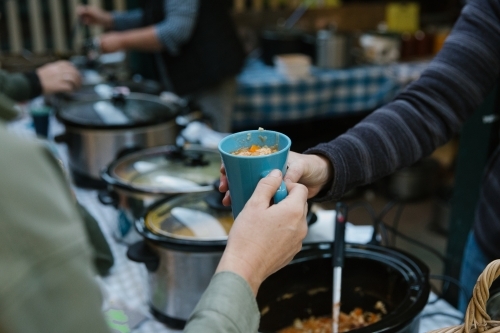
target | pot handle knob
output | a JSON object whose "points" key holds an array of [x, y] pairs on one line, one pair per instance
{"points": [[108, 198], [140, 252]]}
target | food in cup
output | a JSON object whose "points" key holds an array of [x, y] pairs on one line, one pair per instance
{"points": [[255, 150]]}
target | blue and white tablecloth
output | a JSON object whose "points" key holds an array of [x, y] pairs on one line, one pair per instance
{"points": [[267, 97]]}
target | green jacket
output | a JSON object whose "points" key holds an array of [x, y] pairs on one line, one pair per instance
{"points": [[46, 274], [16, 87]]}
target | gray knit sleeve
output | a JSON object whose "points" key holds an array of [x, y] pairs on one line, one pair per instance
{"points": [[127, 20], [428, 112], [178, 25]]}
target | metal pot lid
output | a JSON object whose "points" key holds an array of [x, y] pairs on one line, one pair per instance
{"points": [[107, 89], [166, 170], [123, 110], [190, 217]]}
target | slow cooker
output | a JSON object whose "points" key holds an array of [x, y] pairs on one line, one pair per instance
{"points": [[138, 180], [183, 240], [371, 273], [99, 130]]}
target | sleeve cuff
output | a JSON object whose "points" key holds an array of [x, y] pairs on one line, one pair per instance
{"points": [[228, 301], [34, 83]]}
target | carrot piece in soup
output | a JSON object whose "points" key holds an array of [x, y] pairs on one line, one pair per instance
{"points": [[253, 148]]}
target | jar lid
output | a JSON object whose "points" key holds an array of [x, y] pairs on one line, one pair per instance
{"points": [[166, 170], [123, 110], [190, 217]]}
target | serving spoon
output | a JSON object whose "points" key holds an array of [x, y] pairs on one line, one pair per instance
{"points": [[338, 262]]}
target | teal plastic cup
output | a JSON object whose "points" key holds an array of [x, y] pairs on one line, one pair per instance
{"points": [[244, 172], [41, 120]]}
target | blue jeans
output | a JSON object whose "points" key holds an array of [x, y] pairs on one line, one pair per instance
{"points": [[473, 263]]}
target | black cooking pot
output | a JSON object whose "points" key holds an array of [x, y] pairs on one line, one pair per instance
{"points": [[279, 40], [371, 273]]}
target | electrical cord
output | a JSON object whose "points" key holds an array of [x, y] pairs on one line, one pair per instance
{"points": [[453, 281], [416, 242], [395, 222]]}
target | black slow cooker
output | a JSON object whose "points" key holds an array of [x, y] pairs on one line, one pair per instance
{"points": [[370, 274]]}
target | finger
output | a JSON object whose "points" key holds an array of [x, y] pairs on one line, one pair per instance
{"points": [[297, 194], [226, 201], [223, 169], [266, 188], [295, 168], [223, 187]]}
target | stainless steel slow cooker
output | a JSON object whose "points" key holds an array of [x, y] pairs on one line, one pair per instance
{"points": [[184, 238], [99, 130], [371, 273], [140, 179]]}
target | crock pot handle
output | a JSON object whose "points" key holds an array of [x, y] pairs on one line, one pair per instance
{"points": [[60, 138], [108, 198], [140, 252]]}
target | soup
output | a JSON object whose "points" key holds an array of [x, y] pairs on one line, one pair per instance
{"points": [[355, 319], [255, 150]]}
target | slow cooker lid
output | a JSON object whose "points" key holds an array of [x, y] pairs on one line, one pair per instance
{"points": [[190, 217], [106, 89], [121, 110], [166, 170]]}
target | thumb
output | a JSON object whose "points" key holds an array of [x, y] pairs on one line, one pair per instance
{"points": [[266, 188]]}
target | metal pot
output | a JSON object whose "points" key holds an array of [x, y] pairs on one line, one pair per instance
{"points": [[332, 50], [138, 180], [107, 88], [370, 274], [180, 261], [184, 238], [99, 130]]}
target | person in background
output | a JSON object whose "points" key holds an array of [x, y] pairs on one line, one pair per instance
{"points": [[197, 48], [422, 117], [58, 76]]}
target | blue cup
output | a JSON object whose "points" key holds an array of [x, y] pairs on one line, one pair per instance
{"points": [[244, 172], [41, 120]]}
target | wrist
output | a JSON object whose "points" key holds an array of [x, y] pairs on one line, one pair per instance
{"points": [[238, 266], [108, 21], [326, 169]]}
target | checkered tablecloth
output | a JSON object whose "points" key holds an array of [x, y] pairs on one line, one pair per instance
{"points": [[267, 97]]}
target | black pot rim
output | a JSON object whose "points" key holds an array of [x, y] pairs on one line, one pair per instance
{"points": [[177, 244], [417, 295]]}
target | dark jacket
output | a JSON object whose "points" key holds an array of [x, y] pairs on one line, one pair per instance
{"points": [[213, 52]]}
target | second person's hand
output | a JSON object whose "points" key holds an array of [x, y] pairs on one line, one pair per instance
{"points": [[264, 237], [59, 76], [314, 171]]}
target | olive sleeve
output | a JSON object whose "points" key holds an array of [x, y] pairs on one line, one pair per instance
{"points": [[46, 274], [227, 306]]}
